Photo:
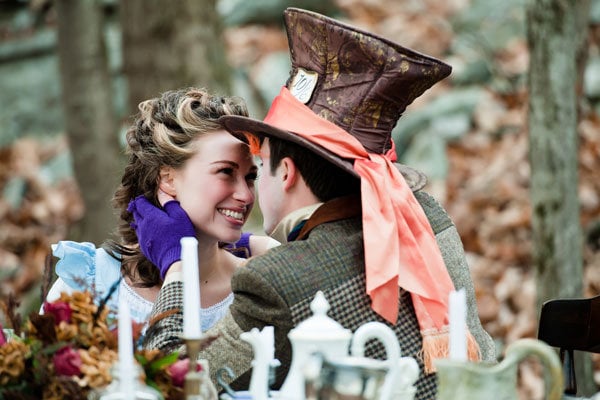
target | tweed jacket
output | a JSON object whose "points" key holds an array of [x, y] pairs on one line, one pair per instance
{"points": [[277, 289]]}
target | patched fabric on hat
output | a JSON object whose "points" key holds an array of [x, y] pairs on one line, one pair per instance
{"points": [[365, 82]]}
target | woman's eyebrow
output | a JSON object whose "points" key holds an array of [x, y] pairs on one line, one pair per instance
{"points": [[229, 162]]}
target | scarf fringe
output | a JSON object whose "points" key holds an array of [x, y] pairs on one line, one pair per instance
{"points": [[436, 344]]}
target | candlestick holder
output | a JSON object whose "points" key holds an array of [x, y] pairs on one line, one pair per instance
{"points": [[118, 390], [197, 384]]}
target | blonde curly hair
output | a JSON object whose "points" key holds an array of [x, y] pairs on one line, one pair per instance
{"points": [[161, 136]]}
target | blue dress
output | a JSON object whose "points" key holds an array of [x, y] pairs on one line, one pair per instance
{"points": [[82, 266]]}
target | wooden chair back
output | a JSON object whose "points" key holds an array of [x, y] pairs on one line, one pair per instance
{"points": [[571, 324]]}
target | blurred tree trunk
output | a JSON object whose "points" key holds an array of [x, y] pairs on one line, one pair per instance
{"points": [[557, 32], [89, 117], [172, 44]]}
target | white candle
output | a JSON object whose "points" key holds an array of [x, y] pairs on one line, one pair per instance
{"points": [[457, 314], [269, 332], [126, 364], [191, 288]]}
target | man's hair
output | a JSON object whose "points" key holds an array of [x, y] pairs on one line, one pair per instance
{"points": [[325, 180]]}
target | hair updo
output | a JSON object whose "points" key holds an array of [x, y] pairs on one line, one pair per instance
{"points": [[161, 135]]}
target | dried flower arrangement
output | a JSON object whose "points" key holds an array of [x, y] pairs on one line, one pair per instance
{"points": [[68, 351]]}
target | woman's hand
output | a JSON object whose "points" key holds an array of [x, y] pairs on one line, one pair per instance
{"points": [[159, 231], [164, 198]]}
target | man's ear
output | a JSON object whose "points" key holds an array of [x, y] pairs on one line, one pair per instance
{"points": [[167, 181], [289, 173]]}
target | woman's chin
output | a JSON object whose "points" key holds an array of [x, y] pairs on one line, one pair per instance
{"points": [[231, 237]]}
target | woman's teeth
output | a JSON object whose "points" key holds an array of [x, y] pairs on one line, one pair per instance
{"points": [[232, 214]]}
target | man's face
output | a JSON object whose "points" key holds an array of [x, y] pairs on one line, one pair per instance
{"points": [[270, 190]]}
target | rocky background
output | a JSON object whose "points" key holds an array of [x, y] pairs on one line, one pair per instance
{"points": [[468, 133]]}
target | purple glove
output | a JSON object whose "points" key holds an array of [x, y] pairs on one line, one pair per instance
{"points": [[159, 231]]}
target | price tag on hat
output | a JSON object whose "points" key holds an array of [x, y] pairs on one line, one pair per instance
{"points": [[303, 84]]}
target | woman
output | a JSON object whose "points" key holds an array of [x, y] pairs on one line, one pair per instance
{"points": [[177, 151]]}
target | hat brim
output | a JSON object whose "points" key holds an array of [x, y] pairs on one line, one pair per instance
{"points": [[239, 126]]}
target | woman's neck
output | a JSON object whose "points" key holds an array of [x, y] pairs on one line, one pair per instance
{"points": [[211, 259], [217, 266]]}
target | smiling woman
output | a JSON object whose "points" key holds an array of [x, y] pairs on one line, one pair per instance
{"points": [[223, 164], [179, 152]]}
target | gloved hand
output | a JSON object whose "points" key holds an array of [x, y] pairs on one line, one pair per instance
{"points": [[159, 231]]}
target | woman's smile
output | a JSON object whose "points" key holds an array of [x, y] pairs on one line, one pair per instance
{"points": [[237, 215]]}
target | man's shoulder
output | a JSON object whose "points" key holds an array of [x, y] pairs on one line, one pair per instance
{"points": [[332, 253], [435, 213], [330, 236]]}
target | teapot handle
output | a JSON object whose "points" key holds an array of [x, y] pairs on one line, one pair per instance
{"points": [[375, 330], [523, 348], [396, 364]]}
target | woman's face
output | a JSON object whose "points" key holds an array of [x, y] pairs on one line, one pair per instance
{"points": [[216, 186]]}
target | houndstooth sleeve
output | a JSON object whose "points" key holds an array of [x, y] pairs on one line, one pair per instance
{"points": [[165, 327]]}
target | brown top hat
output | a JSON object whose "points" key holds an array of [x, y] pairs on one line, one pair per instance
{"points": [[355, 79]]}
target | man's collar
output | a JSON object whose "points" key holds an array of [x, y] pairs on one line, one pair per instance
{"points": [[285, 226], [333, 210]]}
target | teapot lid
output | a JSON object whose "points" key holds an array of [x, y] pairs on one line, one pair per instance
{"points": [[320, 326]]}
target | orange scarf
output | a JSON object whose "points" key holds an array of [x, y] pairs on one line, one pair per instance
{"points": [[400, 246]]}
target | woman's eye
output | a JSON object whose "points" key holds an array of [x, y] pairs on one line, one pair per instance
{"points": [[226, 171], [252, 176]]}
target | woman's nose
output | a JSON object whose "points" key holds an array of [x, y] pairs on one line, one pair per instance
{"points": [[244, 193]]}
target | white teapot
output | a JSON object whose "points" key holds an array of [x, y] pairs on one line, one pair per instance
{"points": [[317, 334], [324, 336]]}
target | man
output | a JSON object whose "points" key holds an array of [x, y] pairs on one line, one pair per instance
{"points": [[353, 223]]}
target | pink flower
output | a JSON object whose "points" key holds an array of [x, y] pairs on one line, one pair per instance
{"points": [[178, 369], [67, 362], [2, 337], [60, 309]]}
